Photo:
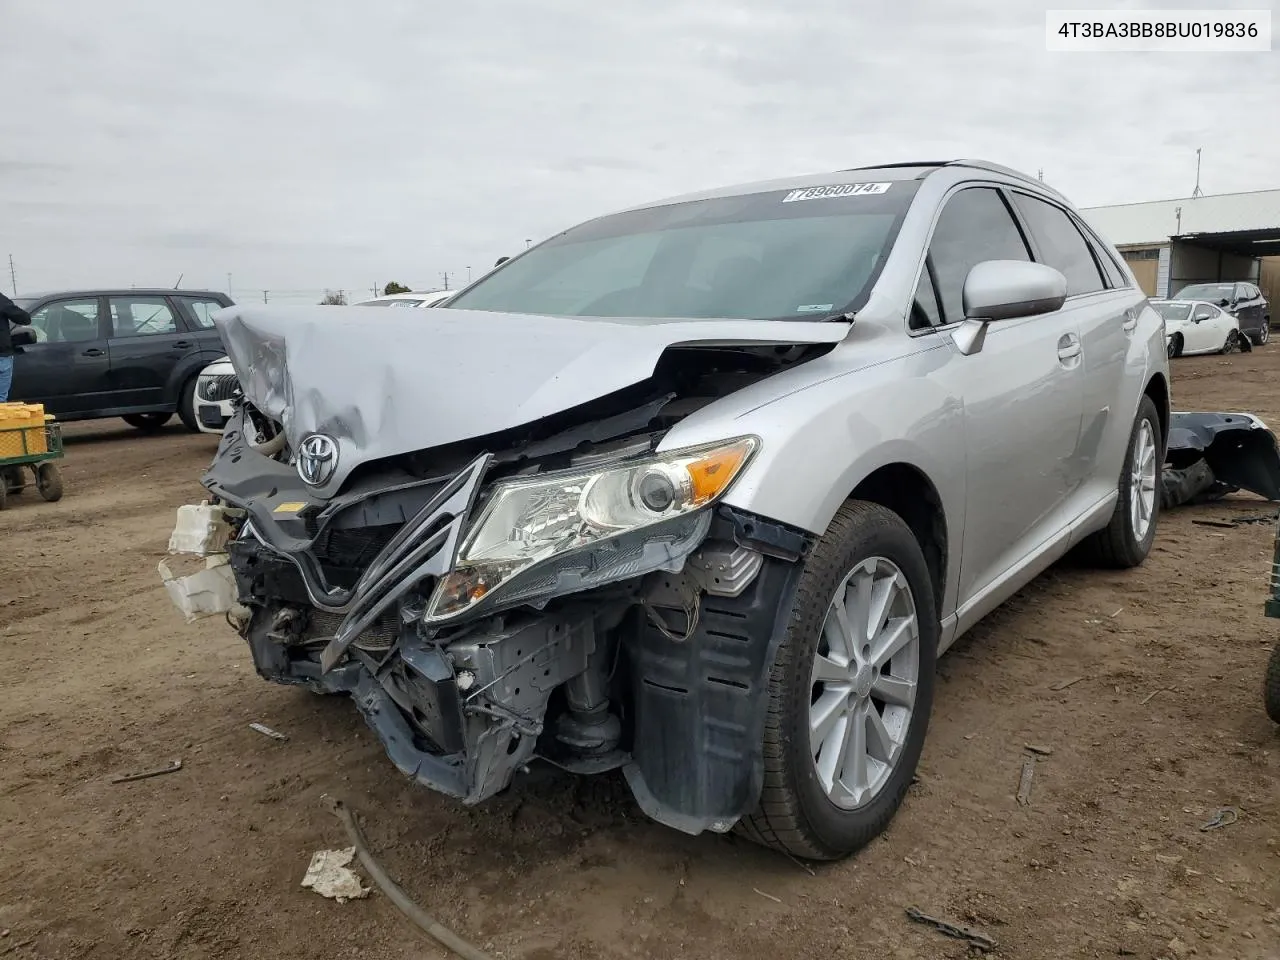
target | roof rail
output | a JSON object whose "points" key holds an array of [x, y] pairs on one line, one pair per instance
{"points": [[899, 165]]}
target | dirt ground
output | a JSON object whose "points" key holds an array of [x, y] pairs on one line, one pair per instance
{"points": [[1166, 726]]}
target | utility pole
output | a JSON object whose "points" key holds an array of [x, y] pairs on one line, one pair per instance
{"points": [[13, 277], [1197, 192], [228, 284], [1177, 212], [528, 244], [468, 274], [264, 296], [1041, 174], [446, 279]]}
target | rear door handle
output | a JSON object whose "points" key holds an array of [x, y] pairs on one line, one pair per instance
{"points": [[93, 352], [182, 345]]}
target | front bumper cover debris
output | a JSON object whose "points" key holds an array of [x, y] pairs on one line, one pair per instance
{"points": [[1213, 454]]}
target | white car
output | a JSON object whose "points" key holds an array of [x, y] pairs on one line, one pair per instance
{"points": [[1197, 326], [429, 298], [216, 390]]}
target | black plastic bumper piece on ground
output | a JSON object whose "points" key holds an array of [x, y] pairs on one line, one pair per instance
{"points": [[1238, 452], [700, 705]]}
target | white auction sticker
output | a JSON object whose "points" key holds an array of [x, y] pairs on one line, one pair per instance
{"points": [[1173, 31], [835, 190]]}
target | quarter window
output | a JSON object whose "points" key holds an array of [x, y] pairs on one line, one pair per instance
{"points": [[66, 321], [974, 226], [141, 317], [1060, 243], [202, 310]]}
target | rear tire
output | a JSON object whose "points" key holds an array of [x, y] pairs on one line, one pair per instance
{"points": [[1271, 687], [1121, 544], [147, 422], [1264, 334], [187, 406], [871, 548], [1232, 343]]}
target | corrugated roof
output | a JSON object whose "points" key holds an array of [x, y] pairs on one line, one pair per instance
{"points": [[1157, 221]]}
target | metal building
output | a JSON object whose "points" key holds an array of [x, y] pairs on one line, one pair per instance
{"points": [[1171, 243]]}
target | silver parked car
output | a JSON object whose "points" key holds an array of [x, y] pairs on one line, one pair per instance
{"points": [[698, 491]]}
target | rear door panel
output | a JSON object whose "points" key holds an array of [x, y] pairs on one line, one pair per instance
{"points": [[148, 341]]}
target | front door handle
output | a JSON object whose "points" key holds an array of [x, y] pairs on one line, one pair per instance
{"points": [[1068, 347], [94, 352]]}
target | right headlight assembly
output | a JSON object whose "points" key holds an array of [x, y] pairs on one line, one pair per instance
{"points": [[529, 522]]}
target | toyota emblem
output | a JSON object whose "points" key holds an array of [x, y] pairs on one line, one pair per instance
{"points": [[317, 459]]}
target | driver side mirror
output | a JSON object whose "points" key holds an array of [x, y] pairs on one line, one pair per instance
{"points": [[1006, 290]]}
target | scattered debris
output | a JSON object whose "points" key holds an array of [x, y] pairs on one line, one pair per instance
{"points": [[767, 896], [1116, 614], [1169, 858], [1262, 518], [978, 941], [1214, 523], [329, 876], [1024, 785], [1151, 696], [266, 731], [1037, 748], [441, 934], [802, 865], [148, 774], [1222, 818], [1063, 684]]}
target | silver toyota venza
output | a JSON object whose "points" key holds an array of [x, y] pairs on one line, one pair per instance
{"points": [[697, 491]]}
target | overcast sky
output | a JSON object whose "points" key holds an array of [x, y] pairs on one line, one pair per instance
{"points": [[304, 144]]}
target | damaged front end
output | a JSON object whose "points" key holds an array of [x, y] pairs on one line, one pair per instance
{"points": [[561, 590]]}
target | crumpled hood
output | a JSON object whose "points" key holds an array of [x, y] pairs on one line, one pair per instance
{"points": [[382, 383]]}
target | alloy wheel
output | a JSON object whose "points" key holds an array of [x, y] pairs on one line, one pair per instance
{"points": [[1142, 481], [863, 684]]}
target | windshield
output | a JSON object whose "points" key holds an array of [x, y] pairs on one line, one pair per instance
{"points": [[787, 254], [1173, 311], [1207, 291], [389, 303]]}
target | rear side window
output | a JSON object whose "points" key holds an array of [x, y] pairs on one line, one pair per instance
{"points": [[202, 309], [1061, 244], [1115, 276], [141, 317], [974, 226]]}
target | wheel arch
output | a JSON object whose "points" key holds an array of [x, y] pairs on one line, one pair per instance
{"points": [[1157, 389], [908, 491]]}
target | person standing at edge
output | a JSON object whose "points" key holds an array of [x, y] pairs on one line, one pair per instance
{"points": [[9, 311]]}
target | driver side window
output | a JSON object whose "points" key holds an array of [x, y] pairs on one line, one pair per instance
{"points": [[974, 226]]}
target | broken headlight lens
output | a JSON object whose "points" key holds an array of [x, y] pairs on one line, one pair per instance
{"points": [[529, 521]]}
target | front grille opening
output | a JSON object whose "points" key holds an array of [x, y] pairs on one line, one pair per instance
{"points": [[344, 554], [222, 387]]}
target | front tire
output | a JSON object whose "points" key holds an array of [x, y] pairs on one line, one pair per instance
{"points": [[1126, 540], [1175, 346], [851, 689], [1264, 334]]}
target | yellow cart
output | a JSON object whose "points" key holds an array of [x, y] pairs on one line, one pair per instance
{"points": [[29, 440]]}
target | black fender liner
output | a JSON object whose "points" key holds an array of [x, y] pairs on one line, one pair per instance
{"points": [[700, 704]]}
